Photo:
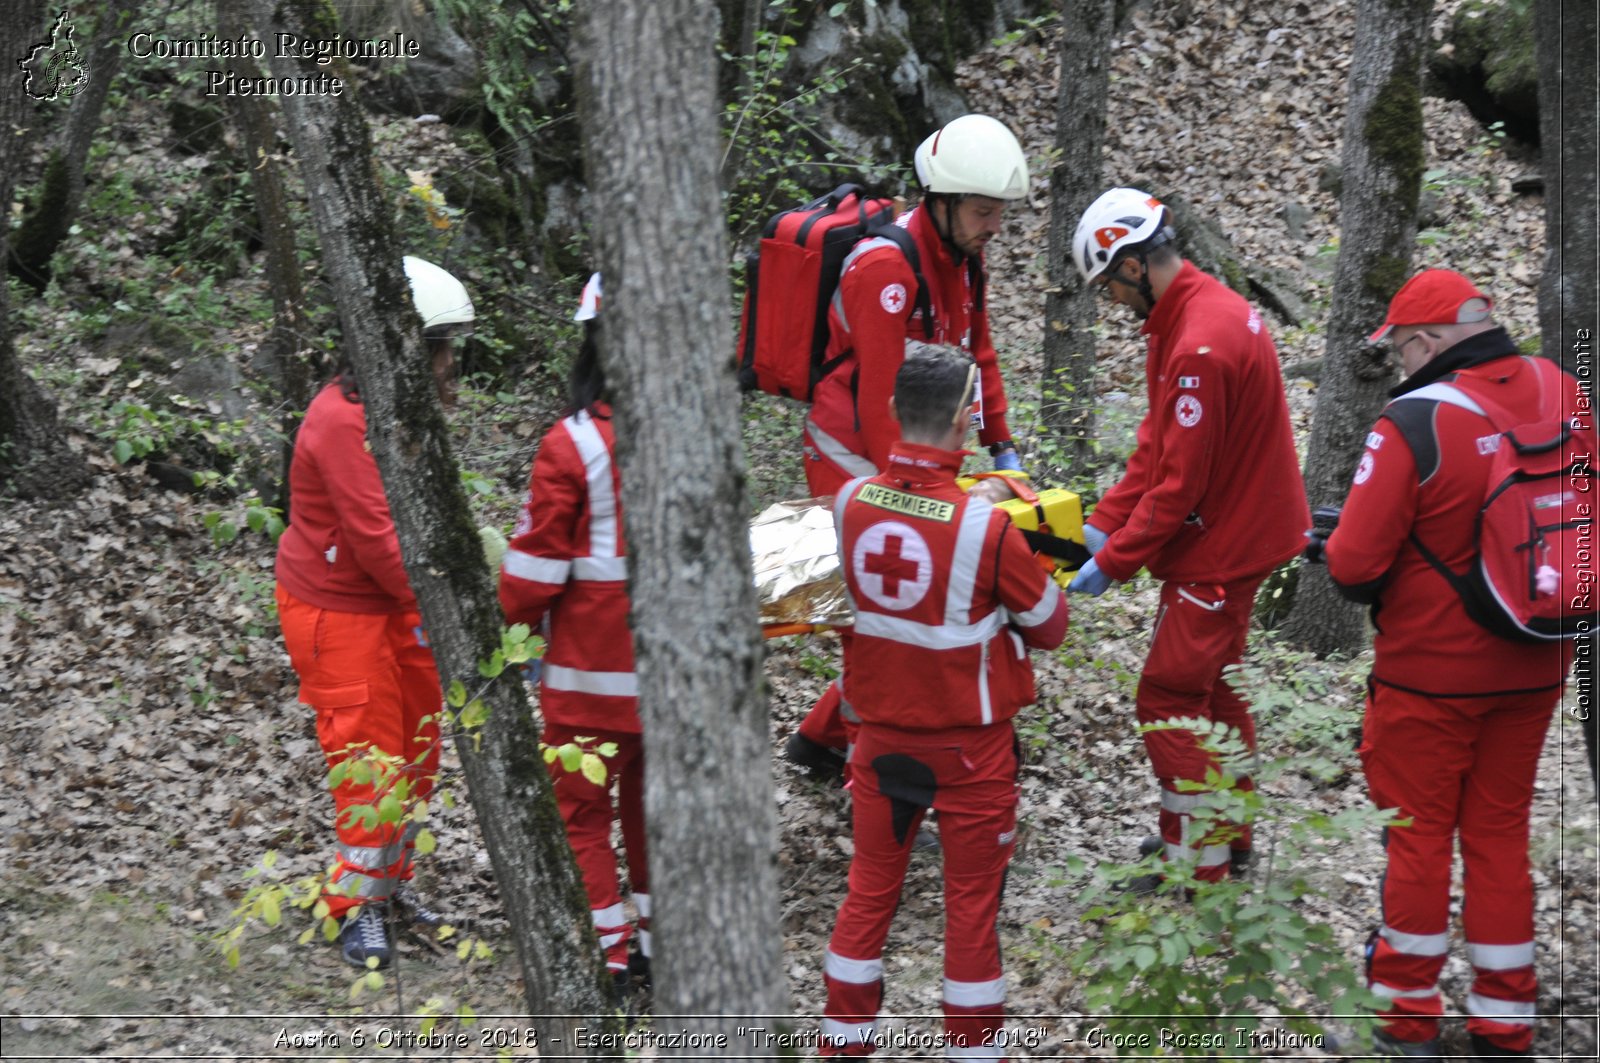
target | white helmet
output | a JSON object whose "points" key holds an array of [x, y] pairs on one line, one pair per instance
{"points": [[440, 299], [1120, 221], [973, 155]]}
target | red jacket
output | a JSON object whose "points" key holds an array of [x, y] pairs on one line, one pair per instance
{"points": [[340, 551], [1212, 492], [567, 570], [946, 596], [874, 312], [1425, 640]]}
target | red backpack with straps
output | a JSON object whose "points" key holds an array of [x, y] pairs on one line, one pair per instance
{"points": [[791, 278], [1531, 577]]}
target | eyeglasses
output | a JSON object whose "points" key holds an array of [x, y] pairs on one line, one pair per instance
{"points": [[1400, 348]]}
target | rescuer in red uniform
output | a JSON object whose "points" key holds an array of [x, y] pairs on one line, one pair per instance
{"points": [[1455, 715], [1210, 503], [352, 629], [968, 171], [947, 597], [565, 574]]}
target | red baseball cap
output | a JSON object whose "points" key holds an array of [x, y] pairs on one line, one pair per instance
{"points": [[1435, 297]]}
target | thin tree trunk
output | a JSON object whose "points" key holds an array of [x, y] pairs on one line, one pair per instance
{"points": [[35, 461], [648, 105], [1565, 36], [286, 356], [564, 977], [47, 224], [1383, 162], [1068, 395]]}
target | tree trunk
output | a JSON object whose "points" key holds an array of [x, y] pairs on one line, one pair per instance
{"points": [[286, 356], [1569, 295], [47, 224], [1067, 396], [1383, 163], [35, 461], [648, 107], [564, 977]]}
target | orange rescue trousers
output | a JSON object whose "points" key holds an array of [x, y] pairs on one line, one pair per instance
{"points": [[372, 681]]}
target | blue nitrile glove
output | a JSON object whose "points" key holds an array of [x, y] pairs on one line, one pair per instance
{"points": [[1094, 538], [532, 670], [1008, 460], [1089, 580]]}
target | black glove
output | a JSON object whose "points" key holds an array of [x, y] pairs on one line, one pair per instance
{"points": [[1324, 519]]}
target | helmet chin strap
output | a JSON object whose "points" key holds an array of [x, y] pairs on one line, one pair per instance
{"points": [[947, 230], [1147, 293]]}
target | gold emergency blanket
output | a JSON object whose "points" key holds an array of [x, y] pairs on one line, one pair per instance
{"points": [[796, 559]]}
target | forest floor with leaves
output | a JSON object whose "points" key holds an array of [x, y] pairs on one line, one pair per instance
{"points": [[154, 749]]}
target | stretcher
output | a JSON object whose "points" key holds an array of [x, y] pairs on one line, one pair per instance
{"points": [[795, 553]]}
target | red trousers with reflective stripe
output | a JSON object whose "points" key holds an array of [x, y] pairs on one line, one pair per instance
{"points": [[371, 681], [970, 776], [1458, 767], [586, 809], [1200, 629]]}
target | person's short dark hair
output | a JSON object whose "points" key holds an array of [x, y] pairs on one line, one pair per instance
{"points": [[932, 384]]}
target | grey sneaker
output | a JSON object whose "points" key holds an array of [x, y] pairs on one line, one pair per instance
{"points": [[366, 937], [410, 907]]}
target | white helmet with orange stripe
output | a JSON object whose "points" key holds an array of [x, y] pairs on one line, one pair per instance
{"points": [[1121, 222]]}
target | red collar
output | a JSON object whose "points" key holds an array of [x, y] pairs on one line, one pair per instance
{"points": [[920, 464], [927, 235], [1170, 305]]}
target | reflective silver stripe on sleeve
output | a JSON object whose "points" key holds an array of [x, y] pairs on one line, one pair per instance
{"points": [[644, 943], [975, 994], [848, 460], [641, 901], [1416, 944], [927, 636], [582, 681], [970, 537], [600, 569], [1044, 610], [528, 566], [985, 702], [1213, 856], [849, 260], [1511, 1012], [1500, 957]]}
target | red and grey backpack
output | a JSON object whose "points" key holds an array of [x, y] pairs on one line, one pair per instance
{"points": [[1531, 577], [791, 278]]}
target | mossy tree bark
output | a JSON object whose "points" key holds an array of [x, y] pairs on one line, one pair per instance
{"points": [[35, 461], [1569, 295], [1382, 161], [286, 356], [648, 107], [1068, 396], [61, 191], [563, 974]]}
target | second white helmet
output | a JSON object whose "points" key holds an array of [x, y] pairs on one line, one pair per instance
{"points": [[973, 155], [440, 299], [1120, 221]]}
